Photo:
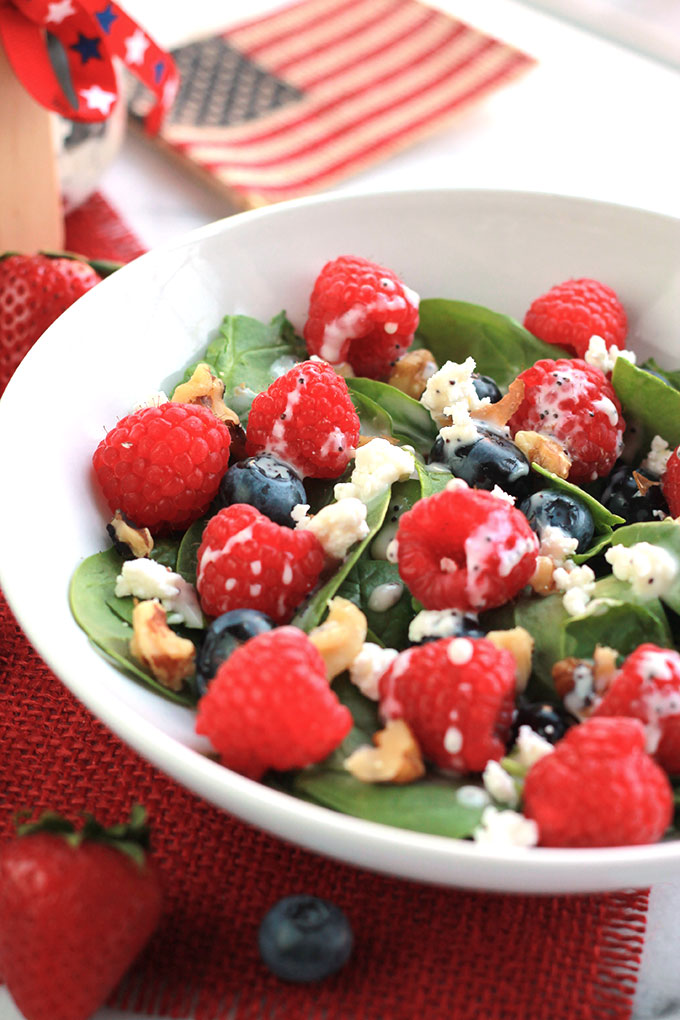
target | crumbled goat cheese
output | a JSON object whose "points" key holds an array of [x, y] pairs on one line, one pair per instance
{"points": [[338, 526], [577, 583], [437, 623], [300, 512], [557, 544], [649, 569], [369, 665], [462, 428], [502, 494], [598, 355], [530, 747], [377, 465], [451, 389], [500, 784], [146, 579], [505, 829], [656, 461]]}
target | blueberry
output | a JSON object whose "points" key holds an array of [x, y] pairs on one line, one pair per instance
{"points": [[485, 386], [623, 496], [223, 636], [551, 508], [265, 482], [550, 721], [304, 938], [489, 459], [462, 625]]}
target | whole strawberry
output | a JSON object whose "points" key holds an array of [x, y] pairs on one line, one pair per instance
{"points": [[76, 907], [34, 291]]}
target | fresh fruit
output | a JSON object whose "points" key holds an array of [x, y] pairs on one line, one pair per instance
{"points": [[599, 788], [457, 696], [360, 313], [270, 706], [670, 483], [490, 459], [161, 466], [245, 561], [647, 687], [485, 386], [307, 419], [633, 496], [550, 508], [77, 907], [465, 549], [224, 635], [265, 482], [549, 721], [304, 939], [34, 291], [573, 311], [574, 403]]}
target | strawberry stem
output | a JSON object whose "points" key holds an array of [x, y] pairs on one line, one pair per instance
{"points": [[131, 837]]}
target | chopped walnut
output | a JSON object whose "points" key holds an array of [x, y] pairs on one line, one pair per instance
{"points": [[411, 372], [396, 758], [206, 389], [563, 674], [520, 644], [604, 667], [545, 451], [167, 655], [643, 483], [364, 440], [341, 636], [542, 580], [130, 541], [503, 410]]}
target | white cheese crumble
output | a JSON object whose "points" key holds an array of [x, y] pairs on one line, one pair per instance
{"points": [[146, 579], [505, 829], [452, 390], [369, 665], [437, 623], [649, 569], [502, 494], [377, 465], [656, 461], [598, 355], [557, 544], [577, 583], [530, 747], [500, 784], [338, 526]]}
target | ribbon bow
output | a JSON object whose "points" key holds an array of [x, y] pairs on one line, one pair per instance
{"points": [[91, 33]]}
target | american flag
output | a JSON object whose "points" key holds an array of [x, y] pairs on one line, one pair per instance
{"points": [[295, 101]]}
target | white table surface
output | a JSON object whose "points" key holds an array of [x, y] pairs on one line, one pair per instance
{"points": [[592, 119]]}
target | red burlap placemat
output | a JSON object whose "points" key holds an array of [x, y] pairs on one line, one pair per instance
{"points": [[421, 951]]}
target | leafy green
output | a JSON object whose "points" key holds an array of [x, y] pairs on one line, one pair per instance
{"points": [[165, 550], [410, 421], [103, 618], [375, 421], [501, 347], [432, 479], [673, 376], [391, 625], [187, 554], [647, 401]]}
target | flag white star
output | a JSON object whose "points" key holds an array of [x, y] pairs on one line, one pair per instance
{"points": [[56, 12], [136, 46], [98, 99]]}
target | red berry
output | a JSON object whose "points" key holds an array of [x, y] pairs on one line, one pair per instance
{"points": [[457, 695], [571, 312], [270, 706], [647, 687], [246, 561], [75, 914], [599, 788], [307, 419], [670, 483], [574, 403], [34, 291], [361, 313], [162, 465], [465, 549]]}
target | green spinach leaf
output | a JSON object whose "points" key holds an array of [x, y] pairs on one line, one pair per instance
{"points": [[647, 401], [187, 554], [411, 421], [673, 376]]}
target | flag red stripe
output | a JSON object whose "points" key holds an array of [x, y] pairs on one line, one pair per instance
{"points": [[275, 34]]}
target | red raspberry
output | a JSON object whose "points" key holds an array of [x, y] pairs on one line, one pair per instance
{"points": [[647, 687], [246, 561], [457, 695], [599, 788], [270, 706], [571, 312], [465, 549], [362, 313], [162, 465], [670, 483], [306, 418], [576, 404]]}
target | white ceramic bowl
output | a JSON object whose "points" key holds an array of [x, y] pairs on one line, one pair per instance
{"points": [[139, 328]]}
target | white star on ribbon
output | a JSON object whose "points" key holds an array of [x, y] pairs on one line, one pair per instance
{"points": [[136, 46], [56, 12], [98, 99]]}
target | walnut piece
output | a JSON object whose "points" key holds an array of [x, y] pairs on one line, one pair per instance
{"points": [[542, 580], [563, 674], [341, 636], [545, 451], [396, 758], [520, 644], [503, 410], [411, 372], [129, 540], [604, 667], [167, 655], [206, 389]]}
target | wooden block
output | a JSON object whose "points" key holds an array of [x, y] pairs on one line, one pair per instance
{"points": [[31, 215]]}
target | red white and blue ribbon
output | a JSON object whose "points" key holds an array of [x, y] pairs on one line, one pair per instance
{"points": [[92, 33]]}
